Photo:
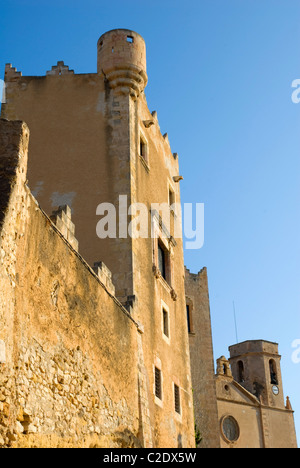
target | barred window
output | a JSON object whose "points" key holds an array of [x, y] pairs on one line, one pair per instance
{"points": [[177, 399], [158, 389]]}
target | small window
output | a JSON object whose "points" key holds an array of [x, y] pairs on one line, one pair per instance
{"points": [[171, 197], [158, 389], [130, 39], [188, 316], [162, 260], [177, 399], [143, 149], [241, 373], [165, 323]]}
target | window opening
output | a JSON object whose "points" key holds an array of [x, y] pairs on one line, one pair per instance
{"points": [[241, 372], [166, 323], [171, 197], [161, 261], [273, 373], [188, 315], [143, 149], [177, 399], [158, 390]]}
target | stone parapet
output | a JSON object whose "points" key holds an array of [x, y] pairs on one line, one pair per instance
{"points": [[105, 276], [62, 220]]}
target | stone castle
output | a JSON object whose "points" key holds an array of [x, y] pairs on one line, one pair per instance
{"points": [[106, 342]]}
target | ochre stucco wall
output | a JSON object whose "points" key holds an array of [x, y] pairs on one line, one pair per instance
{"points": [[71, 372]]}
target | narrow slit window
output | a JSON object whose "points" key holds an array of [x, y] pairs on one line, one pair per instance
{"points": [[166, 323], [162, 261], [158, 388], [171, 197], [188, 316], [241, 371], [177, 399], [143, 149]]}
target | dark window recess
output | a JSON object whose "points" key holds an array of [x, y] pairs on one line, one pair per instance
{"points": [[273, 373], [171, 197], [166, 323], [188, 315], [143, 149], [241, 371], [177, 398], [158, 391], [130, 39], [231, 429], [162, 261]]}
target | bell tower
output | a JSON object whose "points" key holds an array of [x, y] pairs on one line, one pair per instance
{"points": [[256, 366]]}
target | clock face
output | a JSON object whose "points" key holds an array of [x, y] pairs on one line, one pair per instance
{"points": [[275, 390]]}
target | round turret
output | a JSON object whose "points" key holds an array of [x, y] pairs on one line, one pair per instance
{"points": [[122, 60]]}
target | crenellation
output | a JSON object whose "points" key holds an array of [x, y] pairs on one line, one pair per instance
{"points": [[62, 219], [11, 72], [60, 69], [105, 276]]}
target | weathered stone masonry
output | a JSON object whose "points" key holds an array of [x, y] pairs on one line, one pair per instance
{"points": [[85, 149], [58, 386]]}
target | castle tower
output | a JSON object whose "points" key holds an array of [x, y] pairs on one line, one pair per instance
{"points": [[122, 60], [201, 353], [256, 366], [96, 147]]}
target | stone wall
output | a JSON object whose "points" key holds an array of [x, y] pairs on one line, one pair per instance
{"points": [[85, 149], [69, 376], [58, 399]]}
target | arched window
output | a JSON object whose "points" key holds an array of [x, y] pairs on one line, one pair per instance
{"points": [[241, 372], [273, 372]]}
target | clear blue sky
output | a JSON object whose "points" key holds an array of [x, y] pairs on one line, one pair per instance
{"points": [[220, 75]]}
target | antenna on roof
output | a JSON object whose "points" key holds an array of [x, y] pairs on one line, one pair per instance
{"points": [[234, 314]]}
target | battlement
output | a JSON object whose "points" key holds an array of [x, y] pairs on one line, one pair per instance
{"points": [[105, 276], [60, 69], [14, 138], [62, 220], [196, 276], [11, 72]]}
